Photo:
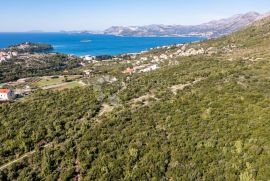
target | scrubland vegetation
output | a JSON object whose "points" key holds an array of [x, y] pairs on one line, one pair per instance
{"points": [[214, 128]]}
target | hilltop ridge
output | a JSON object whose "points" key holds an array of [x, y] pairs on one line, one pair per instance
{"points": [[211, 29]]}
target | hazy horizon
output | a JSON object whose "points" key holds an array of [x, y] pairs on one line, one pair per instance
{"points": [[68, 15]]}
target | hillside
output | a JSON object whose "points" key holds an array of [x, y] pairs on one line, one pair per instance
{"points": [[22, 64], [203, 115], [211, 29]]}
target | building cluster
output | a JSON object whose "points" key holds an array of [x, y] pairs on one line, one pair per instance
{"points": [[147, 61], [4, 56], [150, 61], [141, 69], [89, 59], [24, 46]]}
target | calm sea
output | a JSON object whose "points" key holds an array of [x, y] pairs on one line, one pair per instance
{"points": [[87, 44]]}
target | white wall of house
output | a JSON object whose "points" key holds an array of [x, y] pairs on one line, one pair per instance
{"points": [[7, 96]]}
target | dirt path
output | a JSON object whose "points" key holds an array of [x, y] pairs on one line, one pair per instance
{"points": [[82, 83], [181, 87], [55, 86], [22, 157], [105, 109], [77, 171], [145, 99]]}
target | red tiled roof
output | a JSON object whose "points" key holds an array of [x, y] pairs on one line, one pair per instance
{"points": [[4, 90]]}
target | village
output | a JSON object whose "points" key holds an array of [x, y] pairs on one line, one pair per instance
{"points": [[134, 63], [5, 56], [147, 61]]}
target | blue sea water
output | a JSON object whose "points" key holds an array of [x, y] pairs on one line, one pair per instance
{"points": [[99, 44]]}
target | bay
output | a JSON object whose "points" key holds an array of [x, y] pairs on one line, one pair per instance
{"points": [[89, 44]]}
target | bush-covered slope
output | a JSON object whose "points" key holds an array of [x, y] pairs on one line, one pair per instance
{"points": [[36, 65], [203, 118]]}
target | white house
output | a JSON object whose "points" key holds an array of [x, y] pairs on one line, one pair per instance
{"points": [[15, 54], [150, 68], [88, 58], [144, 58], [2, 59], [163, 56], [87, 72], [6, 95]]}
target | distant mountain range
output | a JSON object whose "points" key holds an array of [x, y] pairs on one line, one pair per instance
{"points": [[82, 32], [211, 29]]}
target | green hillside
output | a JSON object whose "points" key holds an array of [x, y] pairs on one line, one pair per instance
{"points": [[205, 117]]}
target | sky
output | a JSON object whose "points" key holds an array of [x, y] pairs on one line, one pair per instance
{"points": [[56, 15]]}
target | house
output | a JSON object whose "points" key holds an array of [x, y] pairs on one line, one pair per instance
{"points": [[2, 59], [144, 58], [128, 71], [6, 95], [150, 68], [163, 56], [87, 73], [88, 58], [82, 64], [15, 54]]}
